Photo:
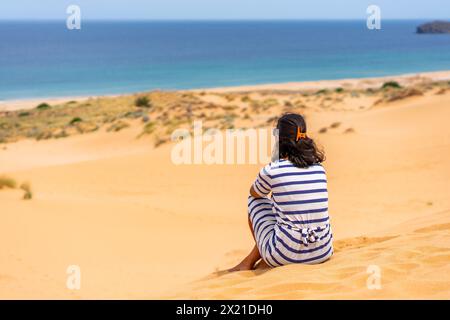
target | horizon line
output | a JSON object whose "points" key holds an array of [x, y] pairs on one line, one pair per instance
{"points": [[209, 19]]}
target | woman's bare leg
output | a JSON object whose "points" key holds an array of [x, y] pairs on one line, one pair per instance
{"points": [[262, 265], [249, 261]]}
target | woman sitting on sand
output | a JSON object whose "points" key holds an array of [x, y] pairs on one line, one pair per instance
{"points": [[292, 226]]}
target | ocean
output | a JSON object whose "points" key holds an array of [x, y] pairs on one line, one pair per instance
{"points": [[45, 59]]}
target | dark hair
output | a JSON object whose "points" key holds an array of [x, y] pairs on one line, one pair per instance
{"points": [[294, 144]]}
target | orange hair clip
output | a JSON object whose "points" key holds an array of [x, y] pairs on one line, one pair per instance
{"points": [[300, 135]]}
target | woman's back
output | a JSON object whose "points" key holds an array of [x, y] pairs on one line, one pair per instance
{"points": [[300, 195], [300, 207]]}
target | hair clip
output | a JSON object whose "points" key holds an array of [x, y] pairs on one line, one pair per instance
{"points": [[300, 135]]}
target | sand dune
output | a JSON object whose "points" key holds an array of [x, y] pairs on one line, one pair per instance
{"points": [[413, 264], [141, 227]]}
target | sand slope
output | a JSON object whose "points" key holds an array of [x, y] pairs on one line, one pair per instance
{"points": [[413, 264], [140, 227]]}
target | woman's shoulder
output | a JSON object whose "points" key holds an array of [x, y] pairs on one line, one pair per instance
{"points": [[280, 164], [286, 164]]}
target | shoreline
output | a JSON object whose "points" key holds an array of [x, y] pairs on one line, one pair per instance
{"points": [[346, 83]]}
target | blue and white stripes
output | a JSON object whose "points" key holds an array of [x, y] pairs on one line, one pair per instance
{"points": [[293, 226]]}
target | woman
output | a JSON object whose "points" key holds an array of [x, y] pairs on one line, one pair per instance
{"points": [[292, 226]]}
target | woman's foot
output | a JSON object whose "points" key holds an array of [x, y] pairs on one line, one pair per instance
{"points": [[249, 262], [262, 265], [243, 266]]}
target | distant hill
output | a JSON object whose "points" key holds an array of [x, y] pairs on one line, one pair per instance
{"points": [[434, 27]]}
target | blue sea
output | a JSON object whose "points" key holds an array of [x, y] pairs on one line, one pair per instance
{"points": [[45, 59]]}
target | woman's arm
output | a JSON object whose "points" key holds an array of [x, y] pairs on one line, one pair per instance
{"points": [[253, 193], [261, 188]]}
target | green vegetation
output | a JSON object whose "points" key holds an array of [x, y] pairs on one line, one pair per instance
{"points": [[245, 99], [43, 106], [159, 113], [391, 84], [78, 117], [28, 195], [142, 102], [270, 102], [323, 91], [149, 128], [7, 182], [75, 120]]}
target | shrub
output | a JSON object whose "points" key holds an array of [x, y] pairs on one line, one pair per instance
{"points": [[229, 97], [149, 128], [43, 106], [23, 114], [391, 84], [142, 102], [160, 141], [335, 125], [134, 114], [75, 120], [6, 182], [339, 90], [28, 195], [270, 102], [323, 91], [245, 99], [402, 94]]}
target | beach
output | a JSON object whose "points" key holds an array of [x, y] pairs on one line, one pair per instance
{"points": [[108, 198]]}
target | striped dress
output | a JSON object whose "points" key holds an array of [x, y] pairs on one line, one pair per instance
{"points": [[292, 226]]}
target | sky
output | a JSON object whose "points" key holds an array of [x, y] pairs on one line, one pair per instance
{"points": [[222, 9]]}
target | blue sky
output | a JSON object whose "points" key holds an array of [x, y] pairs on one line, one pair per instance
{"points": [[224, 9]]}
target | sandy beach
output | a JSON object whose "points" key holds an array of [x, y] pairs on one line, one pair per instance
{"points": [[372, 82], [365, 83], [141, 227]]}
